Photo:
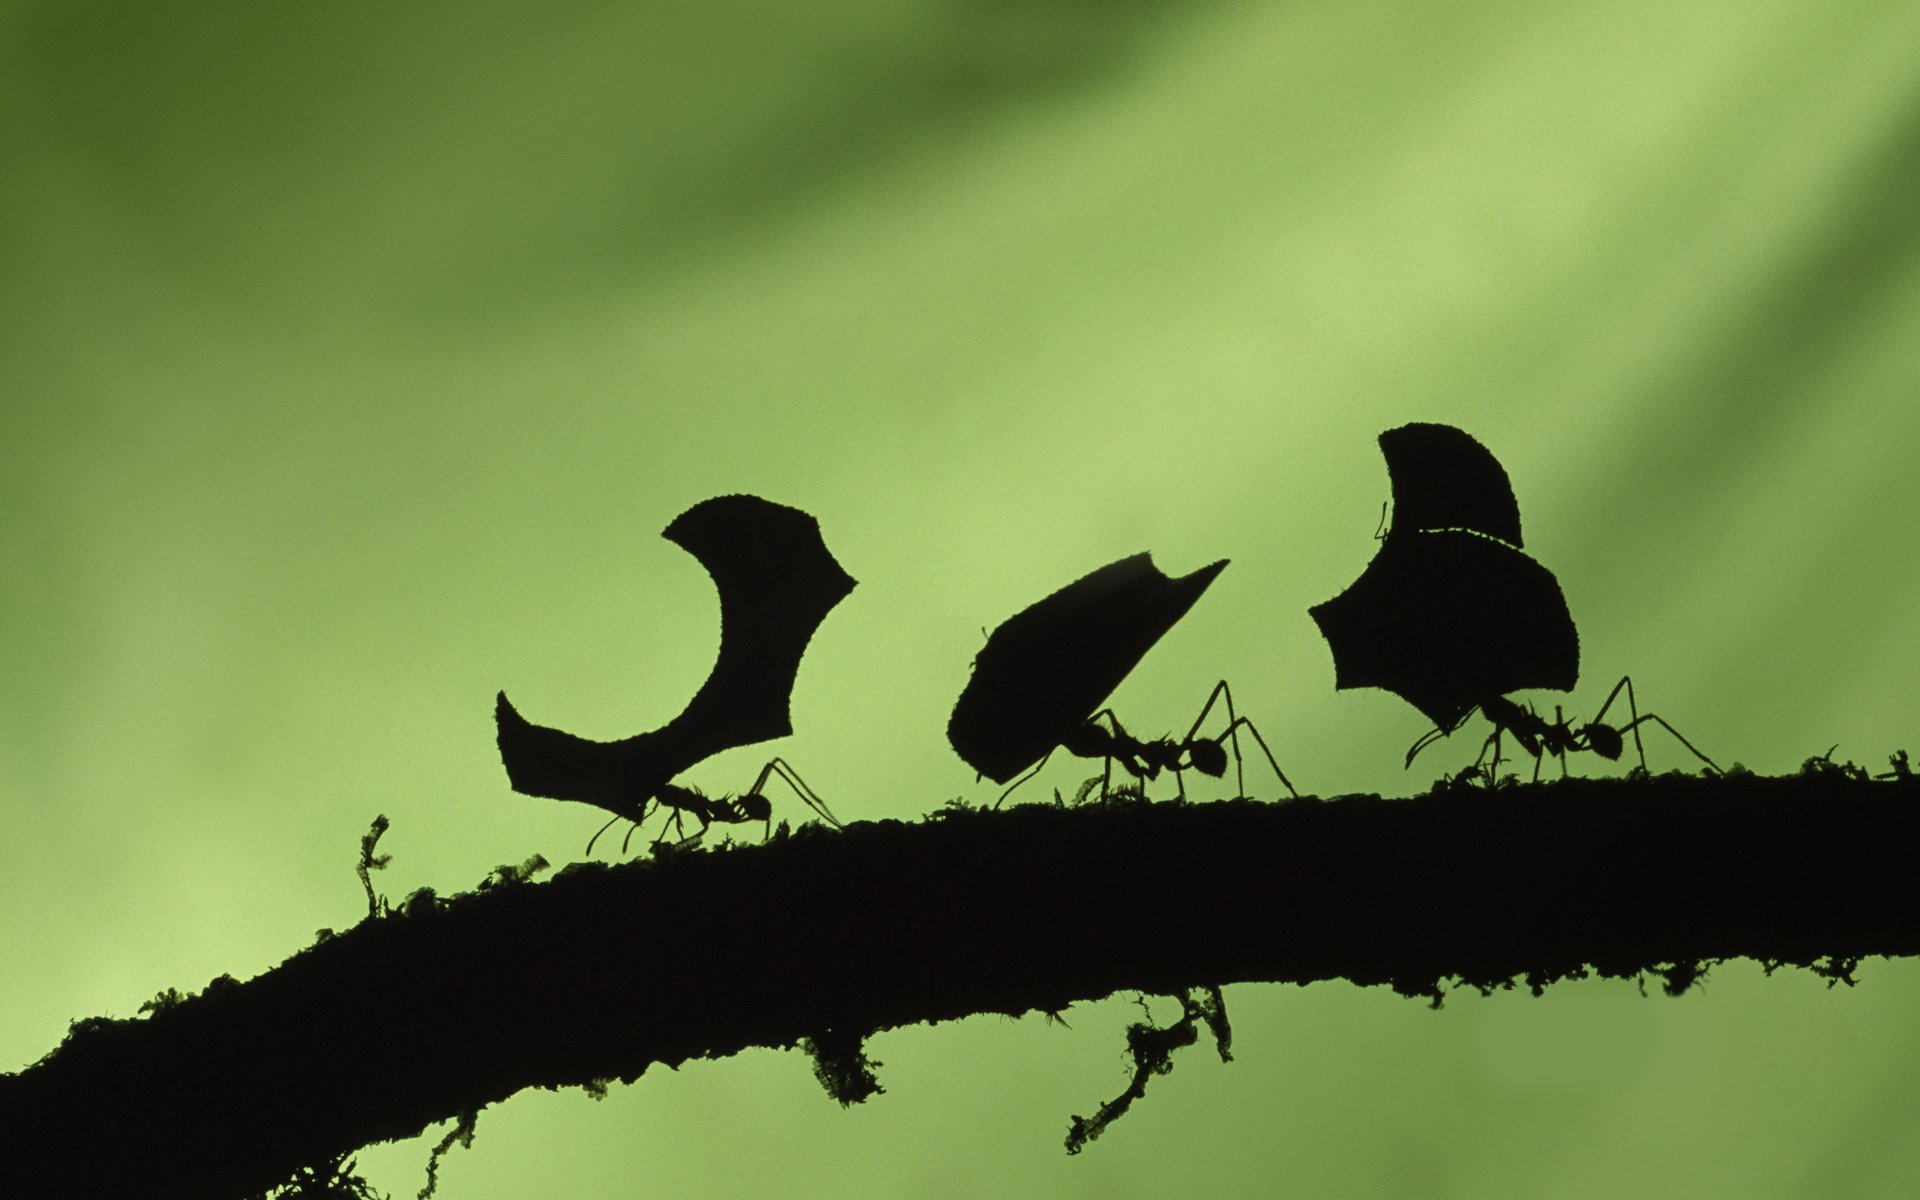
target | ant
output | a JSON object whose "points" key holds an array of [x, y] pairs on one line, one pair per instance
{"points": [[1146, 759], [751, 805], [1540, 737]]}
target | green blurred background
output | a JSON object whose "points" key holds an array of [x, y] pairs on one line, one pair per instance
{"points": [[354, 355]]}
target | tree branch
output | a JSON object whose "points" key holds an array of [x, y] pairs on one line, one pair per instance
{"points": [[446, 1006]]}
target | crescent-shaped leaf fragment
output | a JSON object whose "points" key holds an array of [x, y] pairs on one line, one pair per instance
{"points": [[1443, 478], [1050, 666], [777, 582]]}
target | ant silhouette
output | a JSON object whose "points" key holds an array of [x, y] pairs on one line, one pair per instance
{"points": [[751, 805], [1145, 759], [1540, 737]]}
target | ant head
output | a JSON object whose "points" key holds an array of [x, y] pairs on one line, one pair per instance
{"points": [[1604, 740], [1208, 758]]}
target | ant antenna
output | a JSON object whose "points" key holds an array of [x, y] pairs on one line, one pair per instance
{"points": [[645, 809], [1439, 731], [1030, 773], [1427, 739], [1271, 761], [602, 829]]}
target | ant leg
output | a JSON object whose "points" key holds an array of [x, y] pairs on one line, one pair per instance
{"points": [[1493, 740], [1677, 736], [1271, 761], [677, 828], [799, 785], [1626, 681], [679, 825], [1031, 772], [1633, 726], [1123, 746], [1089, 739], [1222, 691], [603, 829]]}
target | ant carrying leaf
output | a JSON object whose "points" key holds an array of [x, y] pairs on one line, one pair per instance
{"points": [[1111, 743], [777, 582], [750, 805], [1451, 614], [1037, 682], [1559, 737]]}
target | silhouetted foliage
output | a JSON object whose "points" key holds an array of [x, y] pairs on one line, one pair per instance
{"points": [[512, 875], [1037, 681], [1450, 612], [1443, 478], [777, 582], [1902, 769], [1446, 619], [370, 862], [605, 970], [841, 1065], [334, 1179], [824, 939], [460, 1135], [1823, 764], [1151, 1047], [1047, 667]]}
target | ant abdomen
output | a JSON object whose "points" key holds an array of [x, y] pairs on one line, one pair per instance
{"points": [[751, 807], [1208, 758], [1604, 740]]}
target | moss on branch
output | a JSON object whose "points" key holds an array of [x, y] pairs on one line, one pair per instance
{"points": [[447, 1005]]}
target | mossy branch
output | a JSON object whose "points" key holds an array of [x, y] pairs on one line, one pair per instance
{"points": [[445, 1006]]}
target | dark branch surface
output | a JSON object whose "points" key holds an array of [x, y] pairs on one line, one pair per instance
{"points": [[446, 1006]]}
